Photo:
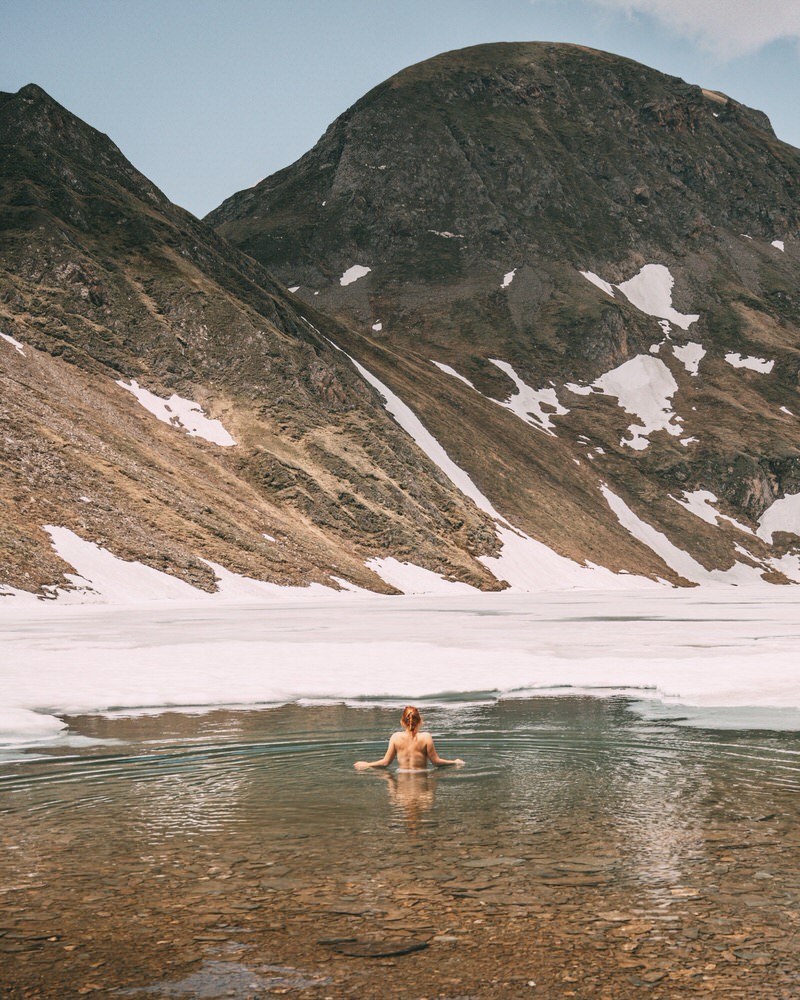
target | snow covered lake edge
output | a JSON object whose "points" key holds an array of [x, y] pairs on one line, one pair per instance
{"points": [[717, 656]]}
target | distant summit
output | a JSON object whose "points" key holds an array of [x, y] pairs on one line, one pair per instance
{"points": [[513, 150]]}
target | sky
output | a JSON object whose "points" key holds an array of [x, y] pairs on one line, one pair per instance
{"points": [[207, 97]]}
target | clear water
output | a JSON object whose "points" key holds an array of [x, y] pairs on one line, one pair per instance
{"points": [[578, 813]]}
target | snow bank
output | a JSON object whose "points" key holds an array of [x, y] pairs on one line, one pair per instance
{"points": [[180, 412], [102, 578], [411, 579], [23, 726]]}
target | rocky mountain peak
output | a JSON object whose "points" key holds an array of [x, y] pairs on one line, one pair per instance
{"points": [[546, 222]]}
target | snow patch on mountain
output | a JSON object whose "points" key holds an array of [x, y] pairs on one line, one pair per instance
{"points": [[677, 559], [508, 277], [180, 412], [524, 564], [19, 348], [754, 364], [644, 387], [579, 390], [411, 579], [701, 504], [651, 292], [782, 515], [533, 406], [690, 355], [603, 285], [451, 371], [100, 577], [778, 244], [354, 273]]}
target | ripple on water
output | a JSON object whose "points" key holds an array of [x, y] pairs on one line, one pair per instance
{"points": [[574, 813]]}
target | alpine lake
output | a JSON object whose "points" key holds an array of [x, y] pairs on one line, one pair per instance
{"points": [[587, 849]]}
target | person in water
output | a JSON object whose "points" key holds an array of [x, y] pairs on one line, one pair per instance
{"points": [[412, 748]]}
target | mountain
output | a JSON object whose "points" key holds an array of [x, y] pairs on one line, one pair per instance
{"points": [[581, 274], [271, 456], [526, 314]]}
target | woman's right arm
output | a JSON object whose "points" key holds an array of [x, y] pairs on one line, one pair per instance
{"points": [[438, 761], [385, 761]]}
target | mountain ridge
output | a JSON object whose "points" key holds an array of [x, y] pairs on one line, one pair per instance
{"points": [[105, 282]]}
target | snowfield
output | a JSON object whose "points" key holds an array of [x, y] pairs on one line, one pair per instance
{"points": [[731, 649]]}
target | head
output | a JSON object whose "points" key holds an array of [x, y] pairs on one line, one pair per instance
{"points": [[411, 719]]}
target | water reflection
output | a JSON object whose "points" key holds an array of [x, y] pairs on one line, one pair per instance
{"points": [[412, 794]]}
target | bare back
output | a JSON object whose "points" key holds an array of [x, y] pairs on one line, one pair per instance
{"points": [[413, 749]]}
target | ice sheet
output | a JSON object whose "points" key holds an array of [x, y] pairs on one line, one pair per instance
{"points": [[730, 647]]}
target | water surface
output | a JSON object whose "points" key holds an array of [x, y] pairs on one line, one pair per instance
{"points": [[588, 847]]}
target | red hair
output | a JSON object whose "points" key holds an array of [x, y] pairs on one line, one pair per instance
{"points": [[411, 719]]}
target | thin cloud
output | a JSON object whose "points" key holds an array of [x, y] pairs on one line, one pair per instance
{"points": [[724, 28]]}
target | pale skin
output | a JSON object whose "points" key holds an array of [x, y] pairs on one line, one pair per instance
{"points": [[413, 750]]}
